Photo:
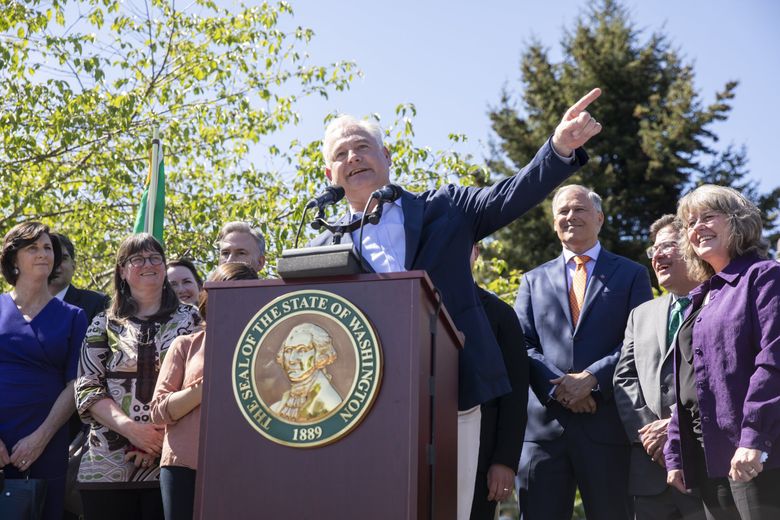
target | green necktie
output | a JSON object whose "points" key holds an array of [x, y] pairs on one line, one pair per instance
{"points": [[676, 318]]}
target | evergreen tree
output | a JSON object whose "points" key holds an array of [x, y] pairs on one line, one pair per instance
{"points": [[656, 144]]}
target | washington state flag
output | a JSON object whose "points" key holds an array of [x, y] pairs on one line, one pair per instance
{"points": [[152, 210]]}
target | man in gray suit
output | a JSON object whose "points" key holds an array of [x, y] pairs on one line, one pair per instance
{"points": [[573, 312], [644, 380]]}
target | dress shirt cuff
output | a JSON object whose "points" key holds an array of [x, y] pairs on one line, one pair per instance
{"points": [[566, 160]]}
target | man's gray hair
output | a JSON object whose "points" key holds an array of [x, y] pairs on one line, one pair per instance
{"points": [[340, 126], [663, 222], [238, 226], [594, 197]]}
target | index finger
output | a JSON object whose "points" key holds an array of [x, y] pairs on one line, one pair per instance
{"points": [[583, 103]]}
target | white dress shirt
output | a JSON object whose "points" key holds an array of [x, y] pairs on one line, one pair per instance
{"points": [[384, 244], [61, 295], [571, 265]]}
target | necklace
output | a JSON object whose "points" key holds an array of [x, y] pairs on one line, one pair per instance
{"points": [[29, 310]]}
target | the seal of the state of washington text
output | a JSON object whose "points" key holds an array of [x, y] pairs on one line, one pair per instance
{"points": [[307, 369]]}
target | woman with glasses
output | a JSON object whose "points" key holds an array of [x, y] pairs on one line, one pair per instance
{"points": [[725, 430], [40, 340], [120, 358]]}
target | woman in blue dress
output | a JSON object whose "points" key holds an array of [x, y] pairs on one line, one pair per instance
{"points": [[40, 341]]}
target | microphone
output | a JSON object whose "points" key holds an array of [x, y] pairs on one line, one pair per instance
{"points": [[331, 195], [388, 193]]}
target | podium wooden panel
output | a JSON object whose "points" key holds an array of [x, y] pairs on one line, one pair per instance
{"points": [[378, 471]]}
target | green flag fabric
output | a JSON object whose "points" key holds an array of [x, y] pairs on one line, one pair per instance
{"points": [[152, 210]]}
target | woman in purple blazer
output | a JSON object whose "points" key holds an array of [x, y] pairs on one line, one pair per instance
{"points": [[725, 429]]}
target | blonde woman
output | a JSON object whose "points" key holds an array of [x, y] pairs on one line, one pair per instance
{"points": [[725, 429]]}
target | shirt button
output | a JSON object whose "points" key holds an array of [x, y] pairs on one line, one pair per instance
{"points": [[698, 319], [705, 419], [697, 352]]}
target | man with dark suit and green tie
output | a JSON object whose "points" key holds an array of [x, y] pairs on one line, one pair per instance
{"points": [[644, 380]]}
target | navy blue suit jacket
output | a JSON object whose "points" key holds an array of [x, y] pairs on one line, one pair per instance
{"points": [[442, 225], [616, 286], [92, 302]]}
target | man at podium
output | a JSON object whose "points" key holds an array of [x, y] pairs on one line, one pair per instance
{"points": [[434, 231]]}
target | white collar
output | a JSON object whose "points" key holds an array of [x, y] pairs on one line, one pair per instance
{"points": [[593, 253], [396, 202], [61, 295]]}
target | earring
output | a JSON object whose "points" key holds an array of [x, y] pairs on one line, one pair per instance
{"points": [[16, 270], [122, 287]]}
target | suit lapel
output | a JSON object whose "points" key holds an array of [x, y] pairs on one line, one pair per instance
{"points": [[661, 318], [556, 274], [602, 272], [72, 296], [413, 221]]}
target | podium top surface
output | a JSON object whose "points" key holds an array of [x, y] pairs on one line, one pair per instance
{"points": [[422, 276]]}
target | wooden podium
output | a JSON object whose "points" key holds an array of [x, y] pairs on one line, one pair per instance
{"points": [[400, 462]]}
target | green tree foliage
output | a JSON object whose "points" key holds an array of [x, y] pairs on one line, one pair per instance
{"points": [[729, 168], [83, 85], [657, 140]]}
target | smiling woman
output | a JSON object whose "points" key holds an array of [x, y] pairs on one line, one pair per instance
{"points": [[40, 339], [117, 374], [727, 422], [185, 280]]}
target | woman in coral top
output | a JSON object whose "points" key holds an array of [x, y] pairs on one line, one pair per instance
{"points": [[176, 404]]}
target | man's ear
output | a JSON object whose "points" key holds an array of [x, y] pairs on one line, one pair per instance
{"points": [[387, 154], [327, 174]]}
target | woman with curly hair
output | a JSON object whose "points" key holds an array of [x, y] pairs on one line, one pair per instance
{"points": [[725, 429]]}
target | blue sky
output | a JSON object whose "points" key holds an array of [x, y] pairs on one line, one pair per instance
{"points": [[452, 58]]}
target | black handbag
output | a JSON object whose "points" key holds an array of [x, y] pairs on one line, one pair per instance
{"points": [[21, 498]]}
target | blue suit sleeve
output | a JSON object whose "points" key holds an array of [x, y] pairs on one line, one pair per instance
{"points": [[540, 370], [604, 368], [493, 207]]}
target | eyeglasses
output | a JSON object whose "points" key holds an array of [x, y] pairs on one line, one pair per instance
{"points": [[704, 218], [140, 261], [665, 248]]}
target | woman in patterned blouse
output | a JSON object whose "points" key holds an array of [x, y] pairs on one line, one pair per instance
{"points": [[120, 359]]}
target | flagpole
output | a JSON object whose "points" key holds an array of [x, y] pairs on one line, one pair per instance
{"points": [[154, 165]]}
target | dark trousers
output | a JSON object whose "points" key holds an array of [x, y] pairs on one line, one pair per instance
{"points": [[669, 505], [759, 499], [551, 471], [177, 484], [725, 499], [122, 504]]}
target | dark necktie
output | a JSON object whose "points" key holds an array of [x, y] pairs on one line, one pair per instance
{"points": [[147, 364], [676, 318]]}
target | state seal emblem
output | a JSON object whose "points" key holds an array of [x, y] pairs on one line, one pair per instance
{"points": [[307, 369]]}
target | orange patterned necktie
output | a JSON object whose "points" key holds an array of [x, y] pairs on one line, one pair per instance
{"points": [[578, 283]]}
